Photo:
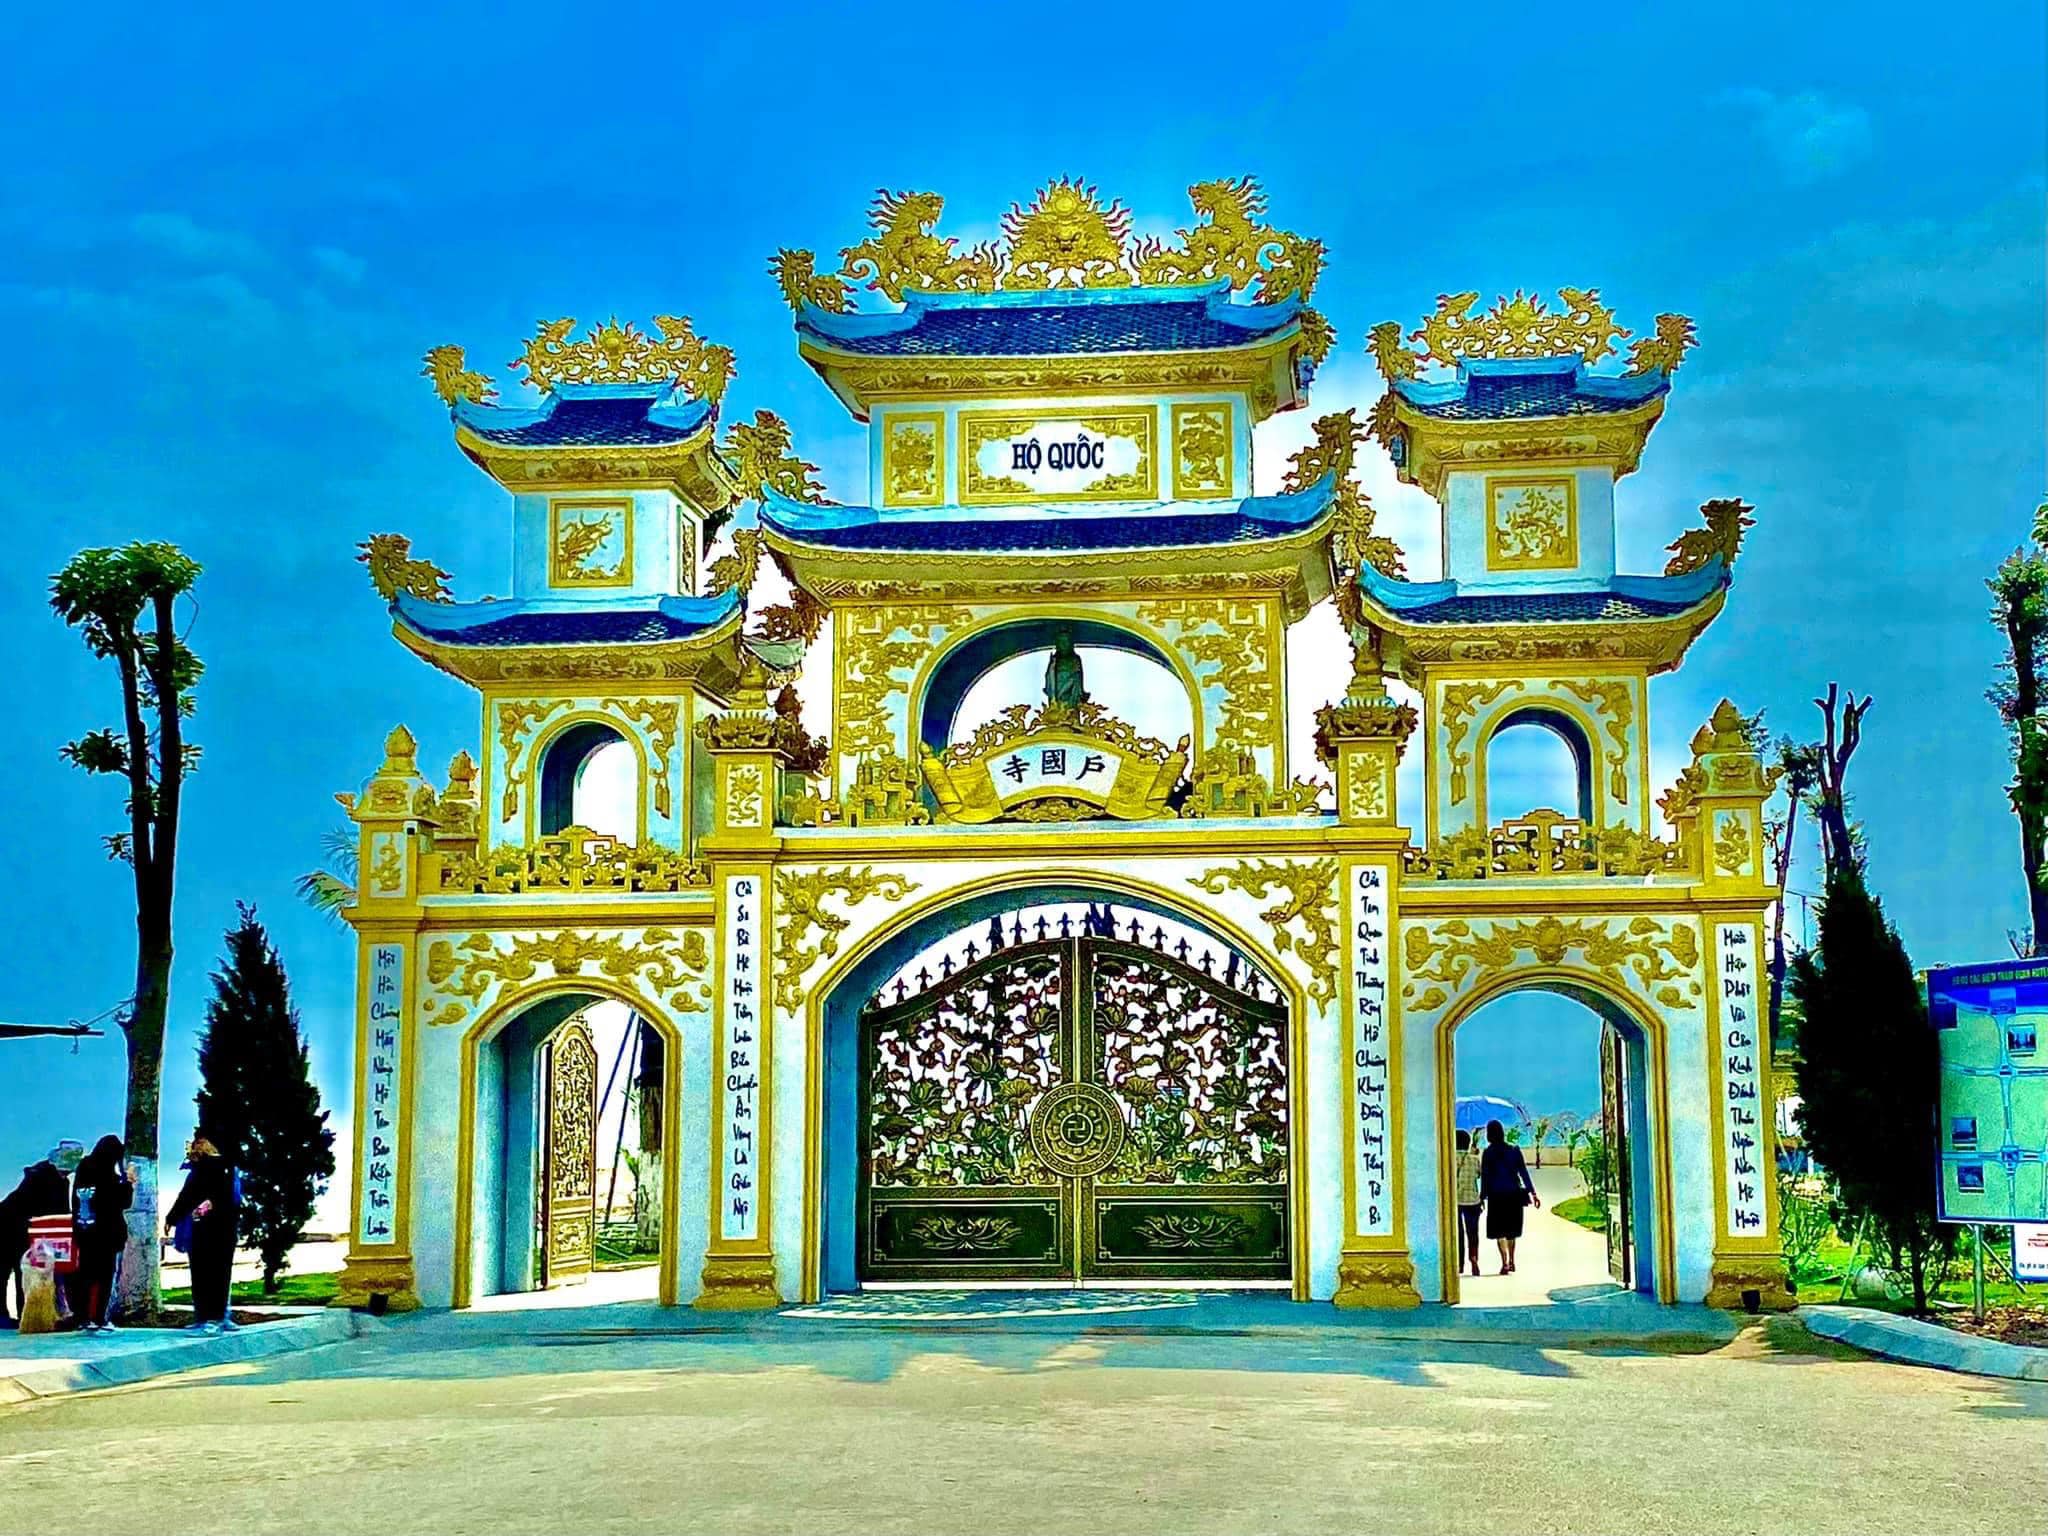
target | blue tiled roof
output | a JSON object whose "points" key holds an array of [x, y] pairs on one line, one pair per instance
{"points": [[1524, 388], [565, 620], [1052, 323], [629, 416], [978, 529], [1623, 598]]}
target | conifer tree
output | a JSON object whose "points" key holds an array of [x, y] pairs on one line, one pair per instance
{"points": [[1868, 1081], [256, 1097]]}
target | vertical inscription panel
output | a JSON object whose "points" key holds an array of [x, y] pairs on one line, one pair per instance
{"points": [[1744, 1152], [377, 1149], [1371, 1134], [739, 1213]]}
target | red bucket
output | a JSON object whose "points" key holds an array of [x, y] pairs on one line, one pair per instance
{"points": [[52, 1244]]}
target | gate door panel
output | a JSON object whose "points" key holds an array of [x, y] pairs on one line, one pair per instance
{"points": [[569, 1164], [1614, 1129], [951, 1188], [1068, 1108]]}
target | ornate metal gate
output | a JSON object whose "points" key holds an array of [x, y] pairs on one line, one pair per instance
{"points": [[1076, 1107], [1614, 1128], [568, 1203]]}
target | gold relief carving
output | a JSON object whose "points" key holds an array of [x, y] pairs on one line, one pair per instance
{"points": [[1138, 773], [1056, 808], [800, 908], [453, 381], [1385, 1280], [516, 718], [980, 428], [1202, 463], [575, 859], [1726, 520], [1731, 1279], [1644, 952], [1067, 239], [387, 873], [666, 964], [1615, 703], [912, 474], [1460, 701], [1087, 719], [658, 717], [1363, 720], [1731, 844], [393, 570], [735, 1283], [743, 791], [763, 455], [1334, 453], [870, 658], [590, 543], [1532, 524], [883, 794], [1545, 842], [595, 664], [1308, 891], [1237, 648], [612, 353], [1366, 796], [1524, 327], [458, 803]]}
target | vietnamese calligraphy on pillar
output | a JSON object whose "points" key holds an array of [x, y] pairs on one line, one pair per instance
{"points": [[377, 1154], [1372, 1185], [739, 1218], [1746, 1155]]}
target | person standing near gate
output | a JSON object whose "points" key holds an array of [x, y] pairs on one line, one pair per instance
{"points": [[101, 1193], [209, 1202], [1465, 1181], [1505, 1185]]}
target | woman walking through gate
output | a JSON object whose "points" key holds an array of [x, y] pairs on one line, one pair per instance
{"points": [[209, 1202], [1465, 1181], [1505, 1184], [101, 1195]]}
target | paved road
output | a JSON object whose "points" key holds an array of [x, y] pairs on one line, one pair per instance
{"points": [[450, 1425]]}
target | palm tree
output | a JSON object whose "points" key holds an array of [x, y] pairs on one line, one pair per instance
{"points": [[329, 890]]}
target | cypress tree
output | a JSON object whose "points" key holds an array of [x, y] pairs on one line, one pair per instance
{"points": [[256, 1097], [1868, 1080]]}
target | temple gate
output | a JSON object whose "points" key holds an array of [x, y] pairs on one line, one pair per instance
{"points": [[1027, 993]]}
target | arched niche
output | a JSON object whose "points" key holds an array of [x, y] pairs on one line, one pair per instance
{"points": [[1562, 758], [936, 704], [590, 776]]}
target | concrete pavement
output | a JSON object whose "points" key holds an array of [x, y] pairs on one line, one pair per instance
{"points": [[551, 1422], [56, 1364]]}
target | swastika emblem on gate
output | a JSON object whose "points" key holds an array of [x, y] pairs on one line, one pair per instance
{"points": [[1077, 1129]]}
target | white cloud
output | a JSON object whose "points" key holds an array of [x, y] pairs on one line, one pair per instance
{"points": [[184, 238], [342, 266], [1809, 135]]}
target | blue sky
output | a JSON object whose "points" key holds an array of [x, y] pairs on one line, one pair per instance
{"points": [[226, 238]]}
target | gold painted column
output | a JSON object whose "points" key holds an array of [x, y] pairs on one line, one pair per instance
{"points": [[747, 751], [395, 813], [1728, 785], [1364, 735]]}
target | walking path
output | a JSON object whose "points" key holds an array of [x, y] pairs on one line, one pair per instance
{"points": [[1557, 1262], [54, 1364]]}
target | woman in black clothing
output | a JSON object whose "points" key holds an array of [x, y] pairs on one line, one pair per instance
{"points": [[101, 1193], [208, 1198], [1505, 1185]]}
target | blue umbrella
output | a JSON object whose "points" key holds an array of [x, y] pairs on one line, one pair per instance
{"points": [[1474, 1112]]}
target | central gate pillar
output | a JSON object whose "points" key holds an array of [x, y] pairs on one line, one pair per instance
{"points": [[739, 1266], [1364, 736]]}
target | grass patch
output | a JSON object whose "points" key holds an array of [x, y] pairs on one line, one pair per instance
{"points": [[1584, 1211], [292, 1291]]}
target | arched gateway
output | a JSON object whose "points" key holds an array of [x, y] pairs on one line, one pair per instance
{"points": [[1054, 991]]}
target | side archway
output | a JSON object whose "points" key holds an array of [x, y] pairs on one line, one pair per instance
{"points": [[574, 769], [492, 1222], [1651, 1211], [834, 1011]]}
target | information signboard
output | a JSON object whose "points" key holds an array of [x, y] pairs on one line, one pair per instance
{"points": [[1994, 1090]]}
